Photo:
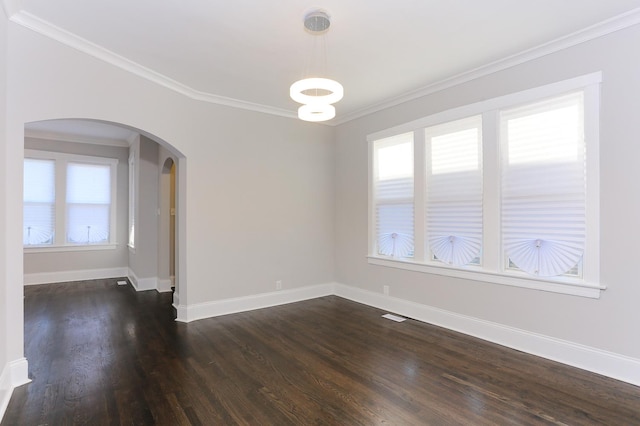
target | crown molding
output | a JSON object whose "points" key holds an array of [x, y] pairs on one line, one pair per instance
{"points": [[51, 31], [68, 137], [67, 38], [601, 29]]}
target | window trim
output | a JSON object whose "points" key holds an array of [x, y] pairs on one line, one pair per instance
{"points": [[133, 206], [61, 160], [492, 269]]}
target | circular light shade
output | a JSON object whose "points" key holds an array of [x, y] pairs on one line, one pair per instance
{"points": [[298, 89], [316, 112]]}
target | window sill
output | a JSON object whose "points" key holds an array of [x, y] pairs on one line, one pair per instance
{"points": [[570, 286], [67, 248]]}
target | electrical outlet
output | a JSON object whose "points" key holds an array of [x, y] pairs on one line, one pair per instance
{"points": [[279, 285], [385, 290]]}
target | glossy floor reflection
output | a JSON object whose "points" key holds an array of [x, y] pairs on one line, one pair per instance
{"points": [[100, 353]]}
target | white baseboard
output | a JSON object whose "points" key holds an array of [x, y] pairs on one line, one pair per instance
{"points": [[608, 364], [164, 286], [14, 374], [79, 275], [142, 284], [187, 313]]}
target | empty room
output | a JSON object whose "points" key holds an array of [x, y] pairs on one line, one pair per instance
{"points": [[319, 212]]}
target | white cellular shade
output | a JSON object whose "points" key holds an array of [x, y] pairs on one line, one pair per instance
{"points": [[88, 203], [393, 195], [39, 201], [454, 190], [544, 185]]}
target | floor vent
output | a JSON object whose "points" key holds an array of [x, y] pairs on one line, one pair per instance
{"points": [[123, 282], [394, 317]]}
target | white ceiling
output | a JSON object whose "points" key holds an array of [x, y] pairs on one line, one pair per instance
{"points": [[248, 52]]}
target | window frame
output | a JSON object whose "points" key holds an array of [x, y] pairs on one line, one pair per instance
{"points": [[61, 160], [133, 206], [492, 268]]}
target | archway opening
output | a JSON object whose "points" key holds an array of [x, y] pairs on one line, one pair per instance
{"points": [[133, 223]]}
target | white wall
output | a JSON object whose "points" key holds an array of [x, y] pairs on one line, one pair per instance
{"points": [[5, 301], [143, 262], [608, 324], [13, 366], [62, 266], [257, 201]]}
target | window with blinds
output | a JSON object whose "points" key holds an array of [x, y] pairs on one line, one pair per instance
{"points": [[39, 212], [454, 191], [393, 196], [69, 200], [505, 190], [132, 199], [88, 203], [543, 186]]}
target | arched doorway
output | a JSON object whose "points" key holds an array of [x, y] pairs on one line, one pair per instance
{"points": [[135, 250], [167, 231]]}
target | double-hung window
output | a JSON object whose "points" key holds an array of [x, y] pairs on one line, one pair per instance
{"points": [[502, 191], [393, 189], [39, 201], [69, 201], [454, 191], [544, 186]]}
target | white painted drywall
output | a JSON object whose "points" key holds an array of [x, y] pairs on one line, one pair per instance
{"points": [[258, 199], [5, 301], [610, 323], [143, 262]]}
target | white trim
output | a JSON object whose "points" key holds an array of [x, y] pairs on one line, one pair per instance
{"points": [[616, 366], [164, 286], [142, 284], [74, 41], [62, 161], [68, 137], [588, 285], [188, 313], [14, 374], [598, 361], [505, 101], [77, 275], [475, 273], [593, 32], [27, 20], [68, 248]]}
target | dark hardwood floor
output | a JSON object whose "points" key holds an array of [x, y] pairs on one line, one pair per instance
{"points": [[103, 354]]}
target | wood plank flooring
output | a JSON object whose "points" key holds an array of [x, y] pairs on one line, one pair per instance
{"points": [[102, 354]]}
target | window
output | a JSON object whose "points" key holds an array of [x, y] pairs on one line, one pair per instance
{"points": [[39, 201], [132, 199], [454, 191], [393, 194], [503, 191], [69, 200], [543, 186]]}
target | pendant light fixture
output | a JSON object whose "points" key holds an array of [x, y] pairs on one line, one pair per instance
{"points": [[317, 94]]}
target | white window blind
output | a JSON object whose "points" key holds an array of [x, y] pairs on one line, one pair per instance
{"points": [[544, 185], [393, 195], [39, 202], [132, 199], [454, 191], [88, 203]]}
